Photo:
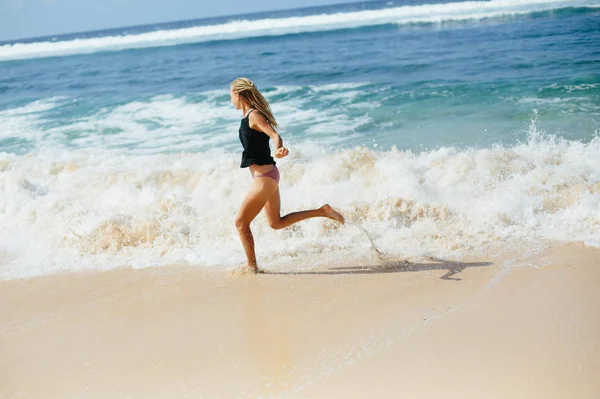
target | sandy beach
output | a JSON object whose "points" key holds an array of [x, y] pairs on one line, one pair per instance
{"points": [[430, 329]]}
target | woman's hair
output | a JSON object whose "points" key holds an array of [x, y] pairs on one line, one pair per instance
{"points": [[246, 89]]}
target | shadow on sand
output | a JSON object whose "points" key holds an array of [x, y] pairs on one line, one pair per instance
{"points": [[401, 267]]}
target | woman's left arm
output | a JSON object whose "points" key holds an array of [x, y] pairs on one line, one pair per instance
{"points": [[257, 119]]}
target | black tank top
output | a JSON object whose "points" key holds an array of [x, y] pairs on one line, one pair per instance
{"points": [[256, 145]]}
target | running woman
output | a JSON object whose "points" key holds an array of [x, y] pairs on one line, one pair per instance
{"points": [[257, 126]]}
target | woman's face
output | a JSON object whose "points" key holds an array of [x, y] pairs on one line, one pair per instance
{"points": [[235, 99]]}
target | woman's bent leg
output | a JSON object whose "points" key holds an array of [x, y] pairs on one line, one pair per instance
{"points": [[276, 221]]}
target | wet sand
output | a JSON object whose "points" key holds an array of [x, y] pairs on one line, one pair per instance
{"points": [[432, 329]]}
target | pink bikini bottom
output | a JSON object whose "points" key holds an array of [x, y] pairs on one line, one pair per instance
{"points": [[273, 174]]}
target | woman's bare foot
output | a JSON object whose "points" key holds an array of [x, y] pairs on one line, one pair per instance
{"points": [[332, 213], [246, 270]]}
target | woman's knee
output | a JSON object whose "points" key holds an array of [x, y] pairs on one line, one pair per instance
{"points": [[241, 223], [275, 224]]}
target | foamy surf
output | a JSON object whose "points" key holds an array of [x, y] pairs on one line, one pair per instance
{"points": [[237, 29], [98, 210]]}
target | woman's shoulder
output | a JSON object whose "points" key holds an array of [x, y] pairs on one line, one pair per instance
{"points": [[256, 119], [256, 115]]}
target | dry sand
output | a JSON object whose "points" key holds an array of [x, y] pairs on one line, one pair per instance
{"points": [[434, 329]]}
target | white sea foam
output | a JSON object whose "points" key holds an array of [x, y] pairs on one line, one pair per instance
{"points": [[77, 210], [429, 13], [572, 88]]}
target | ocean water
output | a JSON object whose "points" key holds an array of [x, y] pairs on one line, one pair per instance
{"points": [[443, 128]]}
